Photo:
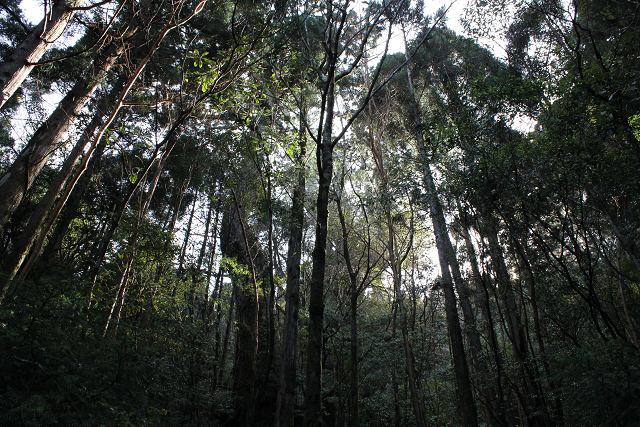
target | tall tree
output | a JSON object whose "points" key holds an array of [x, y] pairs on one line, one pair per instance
{"points": [[19, 64]]}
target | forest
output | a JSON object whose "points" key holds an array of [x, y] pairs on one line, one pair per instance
{"points": [[320, 213]]}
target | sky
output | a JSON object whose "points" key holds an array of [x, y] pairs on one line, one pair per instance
{"points": [[34, 11]]}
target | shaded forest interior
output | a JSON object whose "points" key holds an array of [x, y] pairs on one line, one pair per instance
{"points": [[239, 213]]}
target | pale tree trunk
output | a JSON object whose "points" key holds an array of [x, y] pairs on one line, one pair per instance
{"points": [[22, 173], [287, 387], [49, 254], [92, 274], [24, 170], [169, 141], [18, 66]]}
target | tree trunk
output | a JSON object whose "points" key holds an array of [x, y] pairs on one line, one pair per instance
{"points": [[187, 235], [287, 387], [18, 66], [467, 406], [412, 377], [397, 415], [353, 319], [205, 238], [494, 402], [22, 173], [461, 369], [243, 245], [313, 384], [24, 243], [68, 214]]}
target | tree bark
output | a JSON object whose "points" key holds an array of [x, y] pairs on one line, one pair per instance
{"points": [[353, 319], [324, 157], [287, 385], [187, 235], [494, 401], [22, 173], [467, 406], [18, 66], [14, 261], [243, 245]]}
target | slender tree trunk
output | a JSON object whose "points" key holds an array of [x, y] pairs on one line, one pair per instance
{"points": [[120, 288], [530, 406], [287, 385], [205, 239], [353, 320], [397, 415], [187, 236], [68, 214], [531, 281], [24, 243], [494, 403], [412, 378], [210, 263], [461, 369], [467, 406], [18, 66], [22, 173], [227, 330], [123, 275]]}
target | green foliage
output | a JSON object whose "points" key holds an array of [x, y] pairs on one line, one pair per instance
{"points": [[57, 369], [602, 383]]}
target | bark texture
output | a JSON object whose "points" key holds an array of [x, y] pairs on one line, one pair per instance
{"points": [[22, 173], [18, 66]]}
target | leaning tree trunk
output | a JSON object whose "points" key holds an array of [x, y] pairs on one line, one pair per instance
{"points": [[463, 380], [24, 170], [22, 173], [18, 66], [466, 402], [14, 261], [493, 400]]}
